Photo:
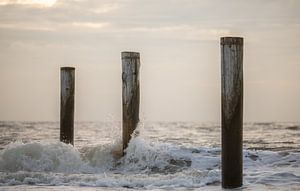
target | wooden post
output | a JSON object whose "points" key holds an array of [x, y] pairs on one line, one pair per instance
{"points": [[67, 105], [130, 94], [232, 111]]}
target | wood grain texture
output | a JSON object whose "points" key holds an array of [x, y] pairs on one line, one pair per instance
{"points": [[67, 105], [232, 111], [130, 94]]}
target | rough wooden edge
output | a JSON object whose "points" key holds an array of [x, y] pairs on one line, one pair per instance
{"points": [[127, 54], [67, 68], [232, 40]]}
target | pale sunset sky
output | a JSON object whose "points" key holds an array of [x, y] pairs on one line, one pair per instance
{"points": [[179, 43]]}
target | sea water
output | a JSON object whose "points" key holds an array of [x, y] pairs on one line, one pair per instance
{"points": [[161, 156]]}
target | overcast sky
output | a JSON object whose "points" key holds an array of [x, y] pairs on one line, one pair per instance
{"points": [[180, 57]]}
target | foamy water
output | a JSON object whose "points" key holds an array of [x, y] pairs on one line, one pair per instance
{"points": [[164, 156]]}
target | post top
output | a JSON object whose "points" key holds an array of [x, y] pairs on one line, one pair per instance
{"points": [[67, 68], [232, 40], [128, 54]]}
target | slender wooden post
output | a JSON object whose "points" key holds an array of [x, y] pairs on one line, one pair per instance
{"points": [[67, 105], [130, 94], [232, 111]]}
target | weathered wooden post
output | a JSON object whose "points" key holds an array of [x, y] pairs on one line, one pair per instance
{"points": [[67, 105], [130, 94], [232, 111]]}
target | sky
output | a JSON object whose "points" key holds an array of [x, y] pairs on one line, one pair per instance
{"points": [[179, 43]]}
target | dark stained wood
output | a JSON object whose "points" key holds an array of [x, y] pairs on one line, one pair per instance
{"points": [[232, 111], [67, 105], [130, 94]]}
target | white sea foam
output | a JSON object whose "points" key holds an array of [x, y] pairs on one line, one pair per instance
{"points": [[148, 164], [40, 157]]}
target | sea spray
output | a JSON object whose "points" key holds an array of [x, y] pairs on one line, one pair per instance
{"points": [[146, 155]]}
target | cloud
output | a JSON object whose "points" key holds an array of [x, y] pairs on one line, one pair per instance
{"points": [[96, 25], [39, 3], [183, 32], [190, 20], [154, 15], [24, 26]]}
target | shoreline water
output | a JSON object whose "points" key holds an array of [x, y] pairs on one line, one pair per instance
{"points": [[166, 156]]}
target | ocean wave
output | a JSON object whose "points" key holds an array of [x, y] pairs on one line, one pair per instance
{"points": [[146, 164]]}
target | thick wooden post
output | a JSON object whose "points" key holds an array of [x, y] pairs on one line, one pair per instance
{"points": [[232, 111], [67, 105], [130, 94]]}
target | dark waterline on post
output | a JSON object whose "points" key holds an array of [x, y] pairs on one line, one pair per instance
{"points": [[232, 111], [67, 105], [130, 94]]}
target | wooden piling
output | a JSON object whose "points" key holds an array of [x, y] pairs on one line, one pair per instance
{"points": [[130, 94], [232, 111], [67, 105]]}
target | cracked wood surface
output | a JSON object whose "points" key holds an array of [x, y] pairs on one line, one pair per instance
{"points": [[130, 94]]}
